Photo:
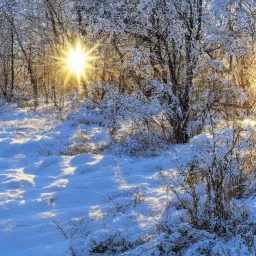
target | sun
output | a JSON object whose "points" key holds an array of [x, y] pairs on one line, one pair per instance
{"points": [[76, 61]]}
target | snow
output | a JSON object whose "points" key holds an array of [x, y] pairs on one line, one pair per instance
{"points": [[39, 184], [52, 199]]}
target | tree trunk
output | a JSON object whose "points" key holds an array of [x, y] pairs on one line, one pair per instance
{"points": [[12, 65], [34, 84]]}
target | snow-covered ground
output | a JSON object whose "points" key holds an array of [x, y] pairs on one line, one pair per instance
{"points": [[55, 202], [40, 184]]}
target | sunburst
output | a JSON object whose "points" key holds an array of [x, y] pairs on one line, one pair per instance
{"points": [[77, 61]]}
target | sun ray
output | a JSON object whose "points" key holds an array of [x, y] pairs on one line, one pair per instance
{"points": [[76, 61]]}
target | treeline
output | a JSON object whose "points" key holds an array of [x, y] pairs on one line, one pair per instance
{"points": [[186, 58]]}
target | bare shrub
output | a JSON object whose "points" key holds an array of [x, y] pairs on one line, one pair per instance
{"points": [[207, 186]]}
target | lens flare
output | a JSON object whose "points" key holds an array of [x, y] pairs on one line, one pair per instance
{"points": [[76, 61]]}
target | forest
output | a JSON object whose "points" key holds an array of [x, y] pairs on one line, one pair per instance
{"points": [[128, 127]]}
